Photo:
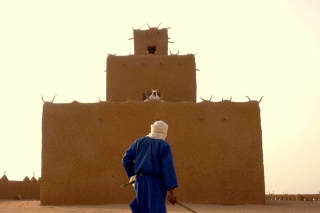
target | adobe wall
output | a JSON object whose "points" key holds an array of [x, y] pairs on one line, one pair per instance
{"points": [[151, 37], [293, 197], [129, 77], [27, 190], [217, 148]]}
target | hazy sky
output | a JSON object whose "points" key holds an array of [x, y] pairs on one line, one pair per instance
{"points": [[254, 48]]}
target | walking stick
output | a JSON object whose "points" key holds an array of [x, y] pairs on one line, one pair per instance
{"points": [[124, 185], [184, 206]]}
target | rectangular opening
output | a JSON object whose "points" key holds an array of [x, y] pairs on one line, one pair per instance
{"points": [[152, 49]]}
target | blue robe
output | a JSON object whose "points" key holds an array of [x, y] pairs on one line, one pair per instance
{"points": [[151, 160]]}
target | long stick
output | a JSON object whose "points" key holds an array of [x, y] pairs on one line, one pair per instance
{"points": [[186, 207], [124, 185]]}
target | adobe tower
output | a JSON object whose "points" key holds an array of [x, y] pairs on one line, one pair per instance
{"points": [[131, 77]]}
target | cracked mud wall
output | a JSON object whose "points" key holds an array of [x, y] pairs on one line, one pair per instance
{"points": [[217, 150]]}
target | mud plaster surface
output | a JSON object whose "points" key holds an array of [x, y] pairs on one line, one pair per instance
{"points": [[217, 149], [10, 189], [152, 37], [129, 77]]}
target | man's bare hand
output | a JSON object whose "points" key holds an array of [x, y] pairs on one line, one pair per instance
{"points": [[172, 199]]}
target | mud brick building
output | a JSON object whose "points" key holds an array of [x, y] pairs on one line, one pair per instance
{"points": [[217, 146]]}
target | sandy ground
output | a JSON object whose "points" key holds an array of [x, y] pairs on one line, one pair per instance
{"points": [[13, 206]]}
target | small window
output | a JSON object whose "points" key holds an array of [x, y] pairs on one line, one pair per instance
{"points": [[152, 49]]}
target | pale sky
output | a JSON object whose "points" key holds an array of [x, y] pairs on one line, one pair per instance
{"points": [[254, 48]]}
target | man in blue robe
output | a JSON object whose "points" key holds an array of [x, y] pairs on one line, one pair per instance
{"points": [[149, 160]]}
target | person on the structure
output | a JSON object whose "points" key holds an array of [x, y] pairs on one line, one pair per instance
{"points": [[149, 162]]}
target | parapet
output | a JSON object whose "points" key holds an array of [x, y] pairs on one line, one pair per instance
{"points": [[151, 41]]}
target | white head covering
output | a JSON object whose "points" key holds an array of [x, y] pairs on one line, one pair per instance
{"points": [[158, 130]]}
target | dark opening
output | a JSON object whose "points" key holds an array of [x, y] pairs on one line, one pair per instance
{"points": [[152, 49]]}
